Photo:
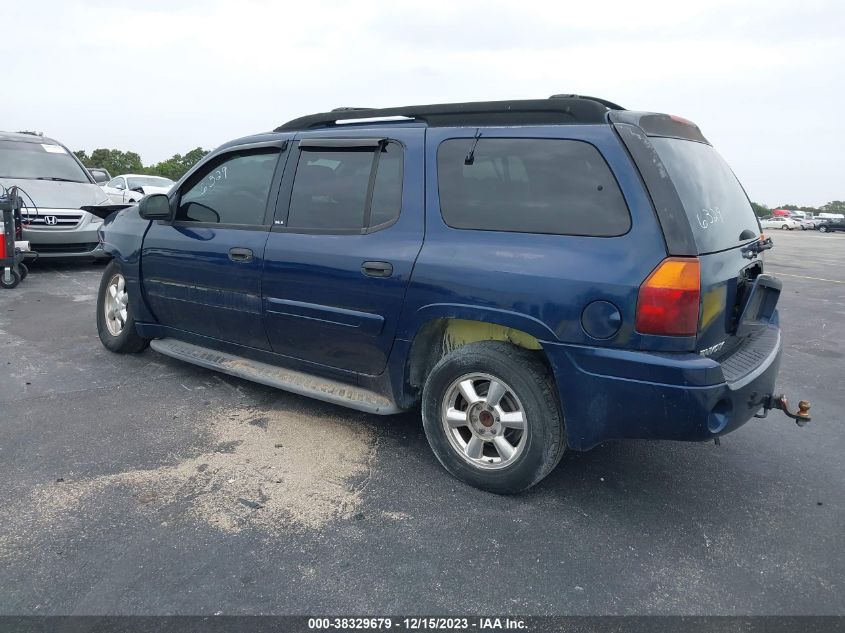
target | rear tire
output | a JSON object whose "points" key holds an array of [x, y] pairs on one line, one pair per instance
{"points": [[115, 321], [491, 415], [785, 227], [823, 229]]}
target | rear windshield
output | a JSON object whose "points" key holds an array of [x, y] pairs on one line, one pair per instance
{"points": [[714, 201], [39, 161]]}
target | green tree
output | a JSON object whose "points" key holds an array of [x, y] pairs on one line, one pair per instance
{"points": [[835, 206], [114, 160], [176, 166], [120, 162], [761, 210]]}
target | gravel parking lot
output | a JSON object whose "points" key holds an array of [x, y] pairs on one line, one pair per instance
{"points": [[141, 485]]}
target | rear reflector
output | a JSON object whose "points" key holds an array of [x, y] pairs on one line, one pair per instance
{"points": [[668, 299]]}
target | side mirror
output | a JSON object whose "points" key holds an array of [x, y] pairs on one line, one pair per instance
{"points": [[155, 207], [99, 176]]}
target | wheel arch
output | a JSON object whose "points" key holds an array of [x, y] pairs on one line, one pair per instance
{"points": [[442, 333]]}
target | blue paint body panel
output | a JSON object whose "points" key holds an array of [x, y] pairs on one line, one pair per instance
{"points": [[190, 283], [304, 302], [320, 307]]}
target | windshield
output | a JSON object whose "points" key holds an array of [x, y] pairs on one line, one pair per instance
{"points": [[148, 181], [39, 160], [714, 201]]}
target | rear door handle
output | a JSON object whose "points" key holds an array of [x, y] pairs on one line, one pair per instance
{"points": [[377, 269], [240, 255]]}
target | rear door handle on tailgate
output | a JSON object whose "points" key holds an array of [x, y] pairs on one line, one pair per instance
{"points": [[240, 255]]}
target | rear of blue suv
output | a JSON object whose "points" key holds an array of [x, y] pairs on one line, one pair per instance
{"points": [[536, 275]]}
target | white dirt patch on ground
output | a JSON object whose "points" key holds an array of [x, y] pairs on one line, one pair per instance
{"points": [[271, 470]]}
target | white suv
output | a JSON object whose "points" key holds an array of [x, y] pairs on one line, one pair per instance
{"points": [[54, 185]]}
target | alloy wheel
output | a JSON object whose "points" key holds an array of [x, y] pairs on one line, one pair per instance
{"points": [[116, 305], [484, 421]]}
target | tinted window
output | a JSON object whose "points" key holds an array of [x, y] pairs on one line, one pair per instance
{"points": [[387, 190], [529, 186], [231, 191], [330, 189], [39, 160], [715, 203]]}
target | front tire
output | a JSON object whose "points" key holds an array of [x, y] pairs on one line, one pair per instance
{"points": [[491, 416], [115, 321], [823, 229]]}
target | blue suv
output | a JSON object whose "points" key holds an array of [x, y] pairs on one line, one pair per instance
{"points": [[538, 275]]}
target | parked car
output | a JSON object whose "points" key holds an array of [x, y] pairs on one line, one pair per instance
{"points": [[130, 188], [808, 224], [55, 185], [780, 223], [100, 175], [831, 226], [506, 265]]}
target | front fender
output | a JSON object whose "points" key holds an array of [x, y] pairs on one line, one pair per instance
{"points": [[122, 236]]}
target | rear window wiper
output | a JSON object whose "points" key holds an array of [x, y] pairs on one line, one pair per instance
{"points": [[57, 179], [751, 250]]}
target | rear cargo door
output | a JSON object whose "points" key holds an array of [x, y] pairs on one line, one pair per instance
{"points": [[737, 298]]}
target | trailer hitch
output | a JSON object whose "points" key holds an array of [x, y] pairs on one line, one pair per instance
{"points": [[801, 417]]}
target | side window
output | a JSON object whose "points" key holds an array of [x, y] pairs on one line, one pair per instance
{"points": [[232, 190], [560, 187], [331, 187], [116, 183], [387, 190]]}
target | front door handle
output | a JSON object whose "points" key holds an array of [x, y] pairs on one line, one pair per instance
{"points": [[377, 269], [240, 255]]}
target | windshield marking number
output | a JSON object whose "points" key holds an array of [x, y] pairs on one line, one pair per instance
{"points": [[708, 217], [213, 178]]}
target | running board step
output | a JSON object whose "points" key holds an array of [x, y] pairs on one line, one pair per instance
{"points": [[303, 384]]}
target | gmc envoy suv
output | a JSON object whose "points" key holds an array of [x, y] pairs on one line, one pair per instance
{"points": [[538, 275]]}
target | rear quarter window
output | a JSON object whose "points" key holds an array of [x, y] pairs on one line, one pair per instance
{"points": [[553, 186]]}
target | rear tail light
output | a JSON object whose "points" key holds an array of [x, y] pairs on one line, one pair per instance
{"points": [[669, 297]]}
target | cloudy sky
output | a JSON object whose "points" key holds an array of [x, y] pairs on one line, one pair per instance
{"points": [[764, 79]]}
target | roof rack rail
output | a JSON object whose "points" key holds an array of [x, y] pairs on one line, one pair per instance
{"points": [[560, 109], [604, 102]]}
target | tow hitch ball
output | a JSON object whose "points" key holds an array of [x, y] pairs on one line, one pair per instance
{"points": [[801, 417]]}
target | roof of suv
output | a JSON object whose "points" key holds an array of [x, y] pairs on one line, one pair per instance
{"points": [[556, 110], [24, 137]]}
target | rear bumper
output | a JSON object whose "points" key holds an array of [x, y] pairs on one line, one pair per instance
{"points": [[609, 393]]}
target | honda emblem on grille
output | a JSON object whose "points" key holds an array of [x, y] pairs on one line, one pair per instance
{"points": [[51, 220]]}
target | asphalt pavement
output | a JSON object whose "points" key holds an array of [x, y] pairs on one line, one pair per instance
{"points": [[142, 485]]}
